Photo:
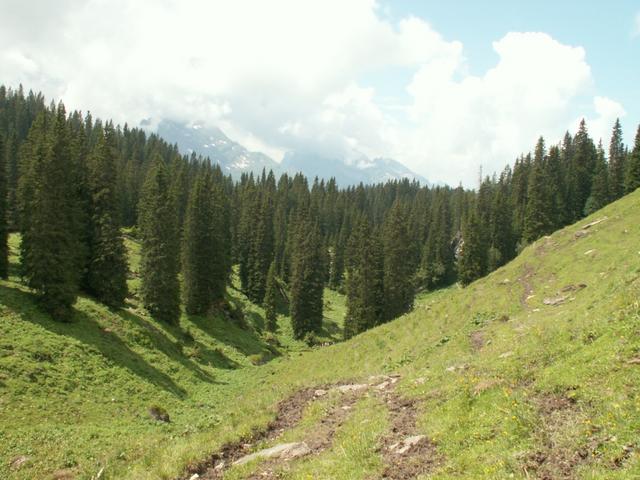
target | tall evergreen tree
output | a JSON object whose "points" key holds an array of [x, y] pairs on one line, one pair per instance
{"points": [[616, 163], [271, 299], [107, 263], [472, 259], [50, 244], [306, 288], [539, 210], [398, 267], [633, 171], [159, 263], [365, 292], [4, 245], [580, 174], [438, 252], [199, 246], [600, 186]]}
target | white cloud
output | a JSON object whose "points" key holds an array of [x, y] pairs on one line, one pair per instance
{"points": [[283, 75]]}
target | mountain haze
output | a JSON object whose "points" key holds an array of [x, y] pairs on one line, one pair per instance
{"points": [[234, 159]]}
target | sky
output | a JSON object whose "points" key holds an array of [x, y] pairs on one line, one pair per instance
{"points": [[443, 87]]}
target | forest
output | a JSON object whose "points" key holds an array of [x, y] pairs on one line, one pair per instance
{"points": [[72, 185]]}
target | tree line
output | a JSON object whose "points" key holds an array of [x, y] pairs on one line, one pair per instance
{"points": [[70, 183]]}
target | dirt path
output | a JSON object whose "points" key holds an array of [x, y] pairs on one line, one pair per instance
{"points": [[405, 453]]}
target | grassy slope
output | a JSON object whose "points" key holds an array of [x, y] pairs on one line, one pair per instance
{"points": [[555, 380]]}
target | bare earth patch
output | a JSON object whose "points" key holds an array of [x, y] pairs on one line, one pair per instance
{"points": [[553, 460]]}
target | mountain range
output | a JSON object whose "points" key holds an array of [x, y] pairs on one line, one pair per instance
{"points": [[234, 159]]}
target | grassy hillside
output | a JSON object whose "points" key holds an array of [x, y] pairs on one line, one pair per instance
{"points": [[531, 372]]}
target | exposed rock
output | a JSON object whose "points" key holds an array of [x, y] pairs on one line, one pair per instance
{"points": [[553, 301], [354, 387], [407, 444], [506, 354], [634, 361], [320, 393], [18, 462], [594, 223], [284, 451], [195, 476], [589, 252], [581, 233]]}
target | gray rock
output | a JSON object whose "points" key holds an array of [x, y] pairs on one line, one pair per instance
{"points": [[284, 451], [405, 445]]}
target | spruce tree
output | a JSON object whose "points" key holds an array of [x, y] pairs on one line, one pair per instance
{"points": [[4, 240], [107, 262], [271, 299], [398, 267], [538, 213], [199, 246], [47, 201], [472, 260], [306, 288], [633, 171], [616, 163], [581, 171], [159, 263], [600, 186], [438, 256], [364, 285]]}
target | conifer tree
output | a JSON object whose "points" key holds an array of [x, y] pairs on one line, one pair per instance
{"points": [[616, 163], [501, 238], [633, 171], [107, 262], [365, 292], [307, 284], [472, 260], [199, 246], [159, 263], [539, 214], [398, 267], [438, 256], [47, 200], [261, 248], [580, 174], [271, 299], [600, 187], [4, 245]]}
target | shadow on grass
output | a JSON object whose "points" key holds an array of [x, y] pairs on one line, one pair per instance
{"points": [[330, 329], [86, 330], [171, 349]]}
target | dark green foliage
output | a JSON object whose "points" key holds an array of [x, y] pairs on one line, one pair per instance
{"points": [[159, 263], [600, 187], [271, 299], [107, 262], [200, 246], [307, 281], [580, 172], [438, 253], [617, 165], [633, 171], [398, 266], [49, 218], [365, 292], [472, 262], [539, 212], [4, 230]]}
